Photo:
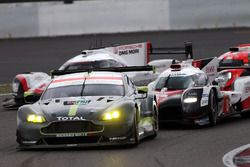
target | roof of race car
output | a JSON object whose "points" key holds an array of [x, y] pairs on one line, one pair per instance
{"points": [[184, 70], [95, 56], [88, 78], [244, 47], [240, 54]]}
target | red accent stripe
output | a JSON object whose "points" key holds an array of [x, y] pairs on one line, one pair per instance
{"points": [[88, 78], [148, 52], [246, 103], [23, 82], [111, 78], [68, 79], [196, 63], [243, 45]]}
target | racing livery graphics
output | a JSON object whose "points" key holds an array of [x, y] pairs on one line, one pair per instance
{"points": [[234, 75], [29, 86], [186, 94], [88, 109]]}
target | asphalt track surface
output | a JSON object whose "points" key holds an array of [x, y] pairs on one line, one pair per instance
{"points": [[176, 145]]}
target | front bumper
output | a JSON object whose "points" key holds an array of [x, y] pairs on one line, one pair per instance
{"points": [[173, 110], [67, 134]]}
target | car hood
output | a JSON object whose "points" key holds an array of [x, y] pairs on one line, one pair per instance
{"points": [[80, 108]]}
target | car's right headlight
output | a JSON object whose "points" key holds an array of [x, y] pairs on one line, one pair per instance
{"points": [[190, 100], [33, 118], [190, 97], [111, 115]]}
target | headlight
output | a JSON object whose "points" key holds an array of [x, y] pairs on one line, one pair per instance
{"points": [[111, 115], [35, 118], [190, 100], [15, 86]]}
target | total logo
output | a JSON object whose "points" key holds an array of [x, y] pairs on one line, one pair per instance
{"points": [[70, 118]]}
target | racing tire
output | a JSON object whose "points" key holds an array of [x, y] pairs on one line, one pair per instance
{"points": [[156, 122], [19, 98], [245, 114], [18, 138], [136, 131], [212, 108]]}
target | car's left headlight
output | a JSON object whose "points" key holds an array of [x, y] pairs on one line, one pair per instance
{"points": [[190, 100], [35, 118], [111, 115]]}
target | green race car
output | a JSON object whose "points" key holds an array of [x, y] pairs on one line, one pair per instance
{"points": [[88, 109]]}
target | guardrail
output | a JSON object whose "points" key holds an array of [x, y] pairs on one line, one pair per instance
{"points": [[115, 16]]}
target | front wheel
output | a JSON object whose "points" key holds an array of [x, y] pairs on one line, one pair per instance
{"points": [[212, 108], [245, 114], [18, 138], [156, 122], [136, 131], [18, 90]]}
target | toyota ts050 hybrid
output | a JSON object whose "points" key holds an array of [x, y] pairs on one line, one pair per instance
{"points": [[232, 64], [234, 74], [185, 94], [31, 85], [88, 109]]}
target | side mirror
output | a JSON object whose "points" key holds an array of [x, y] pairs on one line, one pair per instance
{"points": [[151, 86], [164, 89], [30, 97], [219, 79], [142, 92], [142, 89]]}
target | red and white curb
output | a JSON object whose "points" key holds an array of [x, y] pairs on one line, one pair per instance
{"points": [[228, 158]]}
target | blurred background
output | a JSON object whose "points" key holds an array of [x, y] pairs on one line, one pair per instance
{"points": [[41, 35], [35, 18]]}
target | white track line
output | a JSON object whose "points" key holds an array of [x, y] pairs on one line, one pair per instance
{"points": [[228, 158], [6, 94]]}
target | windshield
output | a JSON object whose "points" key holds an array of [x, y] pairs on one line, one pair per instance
{"points": [[231, 62], [92, 65], [88, 90], [174, 82]]}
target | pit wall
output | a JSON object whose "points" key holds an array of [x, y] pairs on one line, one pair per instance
{"points": [[115, 16]]}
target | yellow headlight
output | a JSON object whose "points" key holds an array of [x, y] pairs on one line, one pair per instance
{"points": [[115, 114], [111, 115], [35, 118]]}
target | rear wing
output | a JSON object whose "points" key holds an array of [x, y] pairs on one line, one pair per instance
{"points": [[163, 64], [116, 69], [139, 54], [187, 50], [135, 54]]}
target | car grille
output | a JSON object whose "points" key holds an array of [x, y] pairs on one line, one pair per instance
{"points": [[170, 113], [71, 127], [72, 140]]}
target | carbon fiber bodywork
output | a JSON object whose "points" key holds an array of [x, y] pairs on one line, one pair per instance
{"points": [[174, 109]]}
